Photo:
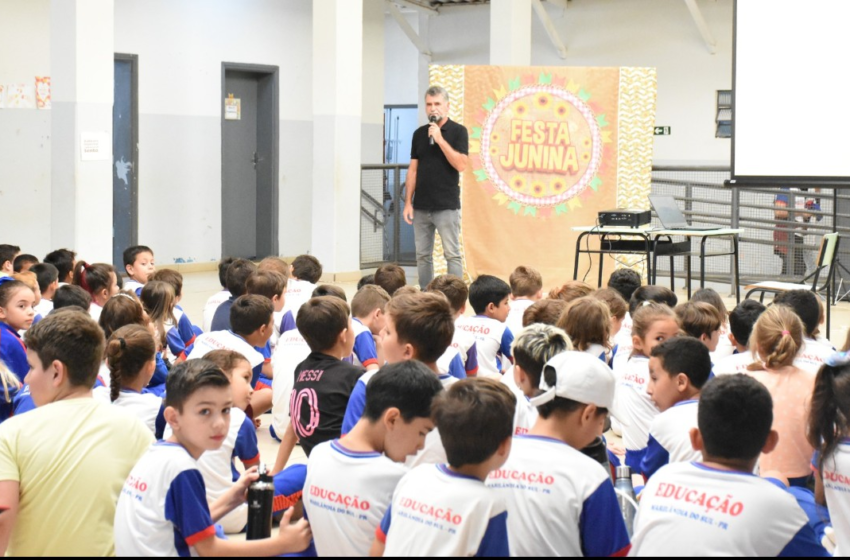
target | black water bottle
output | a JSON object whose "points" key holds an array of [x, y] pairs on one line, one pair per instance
{"points": [[599, 452], [260, 502]]}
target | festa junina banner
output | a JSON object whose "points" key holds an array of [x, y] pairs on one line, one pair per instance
{"points": [[545, 155]]}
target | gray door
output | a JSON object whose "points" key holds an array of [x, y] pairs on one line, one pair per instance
{"points": [[249, 163], [124, 157]]}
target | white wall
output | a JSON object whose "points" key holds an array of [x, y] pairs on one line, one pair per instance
{"points": [[659, 33]]}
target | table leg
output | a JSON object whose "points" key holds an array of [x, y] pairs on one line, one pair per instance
{"points": [[578, 254], [736, 264]]}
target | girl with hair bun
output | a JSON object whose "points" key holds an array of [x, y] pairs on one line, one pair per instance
{"points": [[99, 280], [131, 359], [776, 339]]}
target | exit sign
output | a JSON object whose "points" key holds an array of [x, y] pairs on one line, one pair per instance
{"points": [[661, 131]]}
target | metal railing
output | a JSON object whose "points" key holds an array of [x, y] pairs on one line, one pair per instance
{"points": [[384, 235]]}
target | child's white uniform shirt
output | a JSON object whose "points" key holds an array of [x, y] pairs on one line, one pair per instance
{"points": [[724, 345], [95, 310], [463, 345], [297, 294], [813, 354], [211, 305], [598, 351], [290, 351], [688, 509], [225, 340], [162, 510], [365, 352], [493, 339], [433, 452], [437, 512], [44, 307], [634, 402], [836, 484], [670, 439], [144, 406], [736, 363], [514, 320], [346, 495], [561, 502], [131, 285], [526, 413], [623, 345]]}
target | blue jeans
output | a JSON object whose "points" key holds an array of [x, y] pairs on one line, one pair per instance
{"points": [[447, 223]]}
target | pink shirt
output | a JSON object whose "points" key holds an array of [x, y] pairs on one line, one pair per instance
{"points": [[791, 389]]}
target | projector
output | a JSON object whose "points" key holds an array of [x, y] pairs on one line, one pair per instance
{"points": [[624, 218]]}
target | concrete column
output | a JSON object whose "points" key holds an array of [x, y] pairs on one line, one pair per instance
{"points": [[337, 120], [510, 32], [81, 59], [424, 64], [373, 82]]}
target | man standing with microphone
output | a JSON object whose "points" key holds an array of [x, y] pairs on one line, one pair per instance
{"points": [[438, 154]]}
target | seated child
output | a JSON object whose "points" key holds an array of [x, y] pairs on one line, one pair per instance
{"points": [[16, 314], [545, 312], [185, 328], [31, 281], [272, 286], [551, 488], [741, 321], [306, 271], [63, 464], [131, 359], [236, 279], [284, 320], [8, 253], [219, 297], [619, 310], [570, 291], [657, 294], [490, 299], [368, 319], [390, 277], [526, 288], [163, 509], [139, 266], [807, 307], [48, 282], [159, 300], [475, 420], [711, 297], [678, 369], [701, 321], [24, 262], [368, 279], [99, 280], [624, 281], [653, 323], [717, 507], [778, 337], [368, 462], [217, 465], [65, 262], [463, 346], [587, 322], [71, 296], [535, 345]]}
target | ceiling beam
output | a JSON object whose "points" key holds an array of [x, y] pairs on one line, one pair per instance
{"points": [[543, 15], [408, 29], [710, 43]]}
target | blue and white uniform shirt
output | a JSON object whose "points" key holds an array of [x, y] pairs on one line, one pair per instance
{"points": [[290, 351], [813, 354], [211, 305], [493, 340], [836, 484], [518, 308], [635, 404], [365, 351], [670, 438]]}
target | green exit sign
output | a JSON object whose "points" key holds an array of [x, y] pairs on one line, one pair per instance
{"points": [[661, 131]]}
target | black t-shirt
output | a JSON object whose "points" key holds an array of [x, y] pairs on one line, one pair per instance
{"points": [[437, 182], [320, 395]]}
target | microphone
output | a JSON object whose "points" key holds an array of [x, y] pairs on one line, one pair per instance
{"points": [[433, 119]]}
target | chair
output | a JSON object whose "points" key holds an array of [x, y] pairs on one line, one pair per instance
{"points": [[824, 272]]}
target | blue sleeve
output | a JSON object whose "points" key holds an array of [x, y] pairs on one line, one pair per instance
{"points": [[159, 423], [175, 343], [160, 373], [495, 540], [355, 408], [364, 349], [13, 354], [613, 353], [37, 318], [456, 367], [255, 374], [23, 401], [186, 507], [288, 486], [654, 458], [601, 526], [246, 442], [384, 527], [804, 544], [507, 340], [287, 323], [186, 330], [472, 359], [221, 319]]}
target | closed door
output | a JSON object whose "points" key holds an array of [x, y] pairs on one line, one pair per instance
{"points": [[124, 158]]}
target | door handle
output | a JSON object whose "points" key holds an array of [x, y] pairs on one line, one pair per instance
{"points": [[256, 159]]}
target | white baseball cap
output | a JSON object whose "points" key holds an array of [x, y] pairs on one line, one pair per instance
{"points": [[579, 377]]}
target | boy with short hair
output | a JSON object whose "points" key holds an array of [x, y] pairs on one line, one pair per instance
{"points": [[163, 509], [368, 462], [270, 285], [368, 320], [678, 369], [626, 282], [7, 259], [71, 296], [236, 279], [24, 262], [490, 299], [717, 507], [526, 288], [306, 272], [463, 345], [562, 502], [475, 420], [365, 280], [741, 321], [535, 345], [390, 277], [701, 321], [139, 266], [545, 312], [807, 307], [220, 297], [64, 260], [284, 320], [48, 282], [62, 464]]}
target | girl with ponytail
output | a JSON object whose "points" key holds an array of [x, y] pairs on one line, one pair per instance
{"points": [[99, 280], [776, 339], [131, 359]]}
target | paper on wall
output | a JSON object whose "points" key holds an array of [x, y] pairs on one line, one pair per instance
{"points": [[42, 92], [20, 96]]}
